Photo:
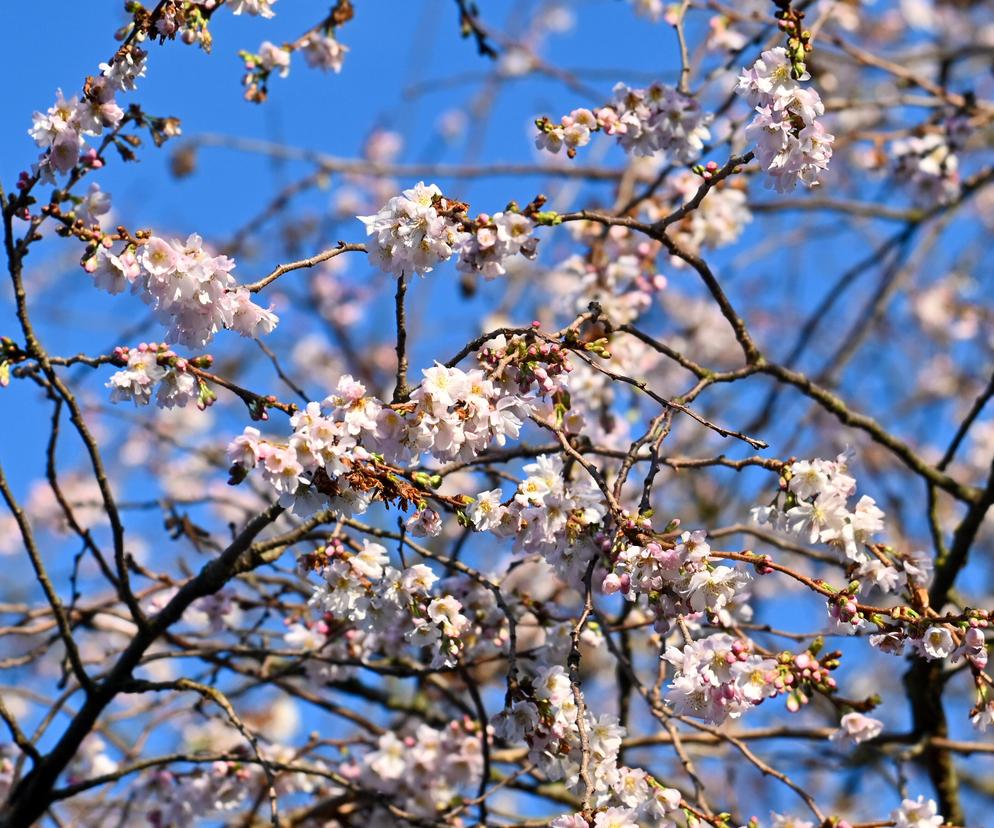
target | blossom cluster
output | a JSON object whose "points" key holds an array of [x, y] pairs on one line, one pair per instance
{"points": [[548, 516], [62, 130], [424, 771], [185, 21], [191, 292], [815, 507], [495, 239], [546, 718], [938, 642], [525, 365], [933, 641], [413, 232], [717, 677], [332, 654], [153, 366], [917, 813], [458, 414], [382, 602], [791, 143], [659, 121], [419, 229], [320, 449], [257, 8], [676, 579], [451, 414], [369, 607], [911, 813]]}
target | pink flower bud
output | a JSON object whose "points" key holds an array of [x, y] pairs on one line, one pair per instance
{"points": [[610, 584], [973, 638]]}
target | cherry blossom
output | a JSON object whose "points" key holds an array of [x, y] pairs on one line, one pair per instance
{"points": [[792, 145], [482, 554]]}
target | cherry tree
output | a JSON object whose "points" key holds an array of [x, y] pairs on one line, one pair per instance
{"points": [[633, 472]]}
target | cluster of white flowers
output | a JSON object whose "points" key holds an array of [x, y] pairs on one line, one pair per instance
{"points": [[425, 771], [645, 802], [791, 143], [452, 414], [493, 241], [63, 129], [387, 605], [917, 813], [659, 120], [816, 508], [547, 721], [718, 678], [548, 516], [412, 233], [190, 291], [419, 229], [487, 635], [677, 580], [369, 607], [928, 164], [459, 413], [318, 444], [114, 272], [151, 366]]}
